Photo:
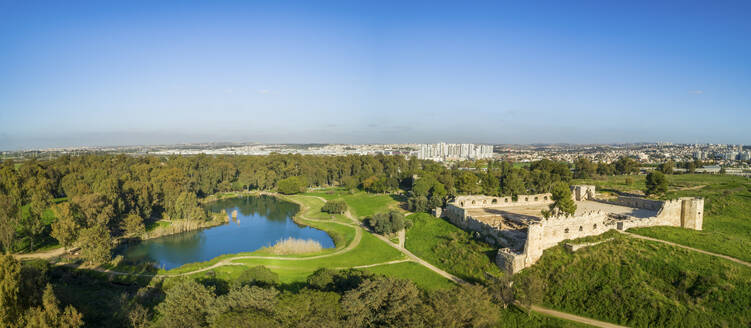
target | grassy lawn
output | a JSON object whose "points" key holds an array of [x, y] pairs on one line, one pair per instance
{"points": [[370, 250], [450, 248], [422, 276], [313, 208], [727, 211], [642, 283], [362, 204]]}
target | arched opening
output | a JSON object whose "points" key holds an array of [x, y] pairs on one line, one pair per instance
{"points": [[545, 198], [494, 201], [565, 231], [581, 228], [462, 204], [473, 202], [594, 227], [526, 199], [505, 200], [536, 198]]}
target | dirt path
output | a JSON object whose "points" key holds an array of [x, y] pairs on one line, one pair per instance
{"points": [[573, 317], [45, 255], [687, 247]]}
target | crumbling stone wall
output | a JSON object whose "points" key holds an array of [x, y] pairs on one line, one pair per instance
{"points": [[480, 201]]}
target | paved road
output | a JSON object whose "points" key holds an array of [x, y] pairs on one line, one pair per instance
{"points": [[573, 317], [686, 247]]}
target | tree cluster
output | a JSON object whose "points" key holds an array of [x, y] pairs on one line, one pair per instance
{"points": [[28, 300], [349, 298], [336, 206], [385, 223]]}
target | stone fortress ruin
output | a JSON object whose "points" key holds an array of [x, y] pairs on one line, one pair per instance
{"points": [[518, 227]]}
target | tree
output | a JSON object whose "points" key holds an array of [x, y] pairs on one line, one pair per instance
{"points": [[336, 206], [66, 226], [626, 165], [10, 282], [133, 225], [666, 167], [186, 305], [462, 306], [563, 201], [418, 204], [656, 183], [8, 222], [292, 185], [382, 302], [584, 168], [258, 276], [96, 244], [49, 314], [387, 222]]}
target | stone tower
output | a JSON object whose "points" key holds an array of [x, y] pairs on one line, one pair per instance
{"points": [[692, 213]]}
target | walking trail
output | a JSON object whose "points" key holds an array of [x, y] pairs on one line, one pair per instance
{"points": [[687, 247]]}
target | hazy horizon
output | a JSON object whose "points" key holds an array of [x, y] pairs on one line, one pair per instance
{"points": [[112, 74]]}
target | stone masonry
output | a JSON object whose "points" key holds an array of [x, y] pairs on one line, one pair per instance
{"points": [[517, 227]]}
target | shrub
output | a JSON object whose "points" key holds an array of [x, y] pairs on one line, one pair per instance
{"points": [[335, 207]]}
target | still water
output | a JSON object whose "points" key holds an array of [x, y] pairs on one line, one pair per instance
{"points": [[261, 221]]}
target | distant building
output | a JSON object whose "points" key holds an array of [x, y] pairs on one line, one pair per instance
{"points": [[443, 151]]}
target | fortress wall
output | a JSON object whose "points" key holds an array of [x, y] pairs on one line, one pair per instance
{"points": [[480, 201], [458, 217], [636, 202]]}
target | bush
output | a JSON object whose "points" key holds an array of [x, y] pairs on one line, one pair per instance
{"points": [[335, 207]]}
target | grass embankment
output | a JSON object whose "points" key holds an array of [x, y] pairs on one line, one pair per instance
{"points": [[643, 283], [450, 248], [727, 211]]}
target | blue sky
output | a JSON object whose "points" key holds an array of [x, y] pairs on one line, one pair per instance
{"points": [[130, 72]]}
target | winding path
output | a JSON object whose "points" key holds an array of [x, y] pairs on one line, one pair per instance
{"points": [[741, 262], [573, 317]]}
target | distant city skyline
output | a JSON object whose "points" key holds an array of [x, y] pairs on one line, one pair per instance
{"points": [[591, 72]]}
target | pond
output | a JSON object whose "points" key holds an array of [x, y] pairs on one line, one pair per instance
{"points": [[261, 221]]}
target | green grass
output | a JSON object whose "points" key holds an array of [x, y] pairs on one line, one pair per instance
{"points": [[152, 225], [370, 250], [422, 276], [450, 248], [727, 212], [362, 204], [642, 283], [313, 208]]}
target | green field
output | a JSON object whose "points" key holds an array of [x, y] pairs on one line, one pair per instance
{"points": [[422, 276], [362, 204], [645, 284], [727, 211], [450, 248]]}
